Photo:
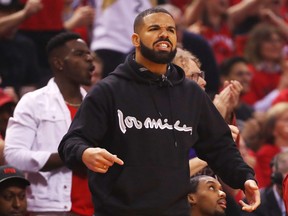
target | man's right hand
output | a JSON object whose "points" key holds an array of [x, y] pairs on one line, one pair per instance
{"points": [[99, 159], [32, 7]]}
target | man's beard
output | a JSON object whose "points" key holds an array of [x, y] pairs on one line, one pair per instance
{"points": [[160, 57], [218, 213]]}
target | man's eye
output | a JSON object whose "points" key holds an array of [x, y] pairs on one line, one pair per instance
{"points": [[22, 196], [152, 29], [7, 197], [79, 53], [211, 188]]}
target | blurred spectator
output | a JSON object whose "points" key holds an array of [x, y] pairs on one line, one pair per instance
{"points": [[216, 20], [264, 51], [271, 196], [267, 11], [271, 12], [112, 30], [7, 105], [13, 13], [276, 95], [236, 68], [181, 4], [252, 131], [40, 120], [78, 17], [12, 192], [18, 63], [275, 132]]}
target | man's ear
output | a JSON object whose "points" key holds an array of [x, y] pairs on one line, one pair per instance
{"points": [[135, 40], [192, 199], [57, 63]]}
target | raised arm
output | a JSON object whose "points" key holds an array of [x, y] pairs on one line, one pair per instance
{"points": [[193, 11], [238, 12], [12, 21]]}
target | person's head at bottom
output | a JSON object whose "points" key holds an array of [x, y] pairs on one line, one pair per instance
{"points": [[12, 192], [206, 197]]}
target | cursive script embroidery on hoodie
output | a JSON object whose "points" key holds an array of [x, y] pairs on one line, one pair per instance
{"points": [[130, 122]]}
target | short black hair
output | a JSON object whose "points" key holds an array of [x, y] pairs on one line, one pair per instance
{"points": [[60, 39], [226, 65], [139, 19], [194, 182]]}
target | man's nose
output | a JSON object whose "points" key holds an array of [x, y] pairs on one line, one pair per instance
{"points": [[222, 194], [89, 57], [163, 34], [16, 202]]}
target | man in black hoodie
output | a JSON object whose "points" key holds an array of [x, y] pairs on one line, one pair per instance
{"points": [[146, 114]]}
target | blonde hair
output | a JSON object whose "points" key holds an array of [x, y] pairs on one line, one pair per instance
{"points": [[272, 115], [182, 58]]}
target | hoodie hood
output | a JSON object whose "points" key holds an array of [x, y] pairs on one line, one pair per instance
{"points": [[131, 70]]}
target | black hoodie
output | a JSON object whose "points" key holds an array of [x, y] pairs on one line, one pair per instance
{"points": [[150, 122]]}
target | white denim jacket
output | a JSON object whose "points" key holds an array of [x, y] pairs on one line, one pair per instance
{"points": [[41, 118]]}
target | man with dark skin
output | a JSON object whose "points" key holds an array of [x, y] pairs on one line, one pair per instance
{"points": [[206, 197], [134, 130], [12, 192], [40, 120]]}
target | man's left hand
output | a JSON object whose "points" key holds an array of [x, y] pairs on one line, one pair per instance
{"points": [[252, 194]]}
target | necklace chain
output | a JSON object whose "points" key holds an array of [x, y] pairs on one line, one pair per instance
{"points": [[73, 104]]}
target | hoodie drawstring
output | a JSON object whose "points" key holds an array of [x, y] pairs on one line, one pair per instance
{"points": [[165, 82]]}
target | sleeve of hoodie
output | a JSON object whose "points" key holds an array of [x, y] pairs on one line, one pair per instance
{"points": [[87, 128], [216, 146]]}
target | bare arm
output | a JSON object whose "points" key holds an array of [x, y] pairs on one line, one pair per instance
{"points": [[228, 98], [53, 162], [9, 22], [82, 16], [238, 12], [268, 15], [195, 165], [193, 11]]}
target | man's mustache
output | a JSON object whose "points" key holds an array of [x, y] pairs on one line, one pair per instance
{"points": [[161, 40]]}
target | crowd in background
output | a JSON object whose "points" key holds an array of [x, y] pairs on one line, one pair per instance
{"points": [[243, 41]]}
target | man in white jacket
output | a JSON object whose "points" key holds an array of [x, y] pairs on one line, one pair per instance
{"points": [[40, 120]]}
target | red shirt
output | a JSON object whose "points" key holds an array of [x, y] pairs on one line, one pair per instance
{"points": [[80, 194], [262, 83], [221, 42], [262, 167], [282, 97], [47, 19]]}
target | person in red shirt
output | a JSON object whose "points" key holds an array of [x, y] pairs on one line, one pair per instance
{"points": [[216, 20], [264, 52], [276, 134]]}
